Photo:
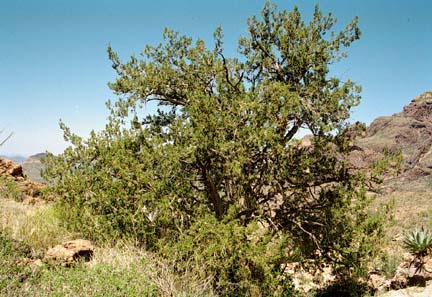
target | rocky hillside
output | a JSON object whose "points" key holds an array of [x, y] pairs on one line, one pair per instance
{"points": [[13, 182], [410, 193], [409, 131]]}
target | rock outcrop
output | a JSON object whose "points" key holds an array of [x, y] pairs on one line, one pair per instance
{"points": [[9, 168], [70, 252], [14, 172], [409, 131], [413, 277], [412, 272]]}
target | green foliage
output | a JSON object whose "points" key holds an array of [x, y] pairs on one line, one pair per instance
{"points": [[418, 242], [242, 260], [221, 156], [390, 164], [390, 264], [10, 189], [11, 275]]}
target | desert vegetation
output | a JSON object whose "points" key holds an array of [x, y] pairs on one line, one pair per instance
{"points": [[215, 194]]}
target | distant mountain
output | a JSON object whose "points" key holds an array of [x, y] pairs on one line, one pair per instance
{"points": [[17, 159], [409, 131], [32, 167]]}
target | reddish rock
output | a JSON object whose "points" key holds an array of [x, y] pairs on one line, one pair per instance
{"points": [[14, 172], [70, 252], [32, 188], [409, 132], [7, 167], [413, 271]]}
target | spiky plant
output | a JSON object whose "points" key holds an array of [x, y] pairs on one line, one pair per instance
{"points": [[418, 242]]}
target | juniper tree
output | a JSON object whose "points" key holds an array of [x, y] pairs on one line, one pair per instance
{"points": [[225, 142]]}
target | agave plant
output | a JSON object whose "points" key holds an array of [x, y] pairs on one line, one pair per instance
{"points": [[418, 242]]}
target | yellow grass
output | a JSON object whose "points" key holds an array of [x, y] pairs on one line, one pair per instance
{"points": [[40, 228]]}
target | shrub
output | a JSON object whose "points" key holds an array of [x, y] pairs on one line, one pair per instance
{"points": [[220, 155], [241, 260], [10, 189]]}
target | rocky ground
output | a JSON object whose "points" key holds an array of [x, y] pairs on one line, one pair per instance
{"points": [[409, 132], [22, 187]]}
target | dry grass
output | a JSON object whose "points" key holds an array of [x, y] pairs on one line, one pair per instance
{"points": [[412, 206], [40, 227], [125, 255], [115, 266]]}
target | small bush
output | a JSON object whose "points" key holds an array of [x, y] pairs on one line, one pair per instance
{"points": [[390, 264], [240, 261], [10, 189]]}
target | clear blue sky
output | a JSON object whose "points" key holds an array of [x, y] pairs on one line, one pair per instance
{"points": [[53, 61]]}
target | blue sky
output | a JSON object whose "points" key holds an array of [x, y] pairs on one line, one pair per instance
{"points": [[53, 61]]}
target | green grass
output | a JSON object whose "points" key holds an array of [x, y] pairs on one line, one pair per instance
{"points": [[18, 278], [40, 226], [119, 270], [11, 274], [101, 280], [390, 263], [10, 189]]}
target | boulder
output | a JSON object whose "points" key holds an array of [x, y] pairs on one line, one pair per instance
{"points": [[14, 172], [378, 283], [31, 188], [410, 292], [70, 252], [412, 272], [9, 168]]}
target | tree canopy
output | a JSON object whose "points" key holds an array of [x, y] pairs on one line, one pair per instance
{"points": [[222, 157]]}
